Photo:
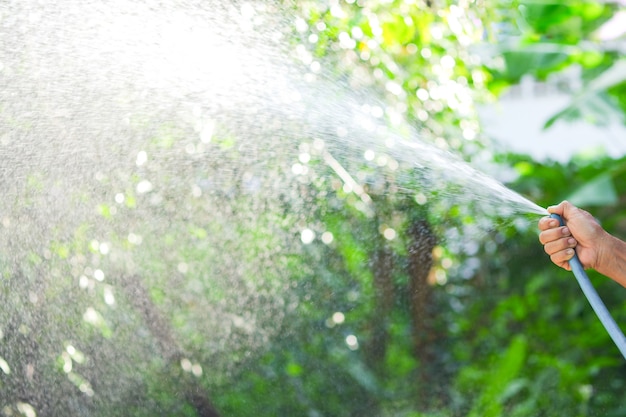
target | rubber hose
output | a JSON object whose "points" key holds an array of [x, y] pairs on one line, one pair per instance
{"points": [[595, 300]]}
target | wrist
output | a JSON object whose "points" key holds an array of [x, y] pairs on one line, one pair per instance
{"points": [[611, 259]]}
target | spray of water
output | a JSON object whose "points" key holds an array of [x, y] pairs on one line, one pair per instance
{"points": [[137, 136], [88, 70]]}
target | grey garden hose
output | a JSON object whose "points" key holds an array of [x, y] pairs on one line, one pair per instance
{"points": [[595, 300]]}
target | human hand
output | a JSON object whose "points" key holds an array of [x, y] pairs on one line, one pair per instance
{"points": [[581, 233]]}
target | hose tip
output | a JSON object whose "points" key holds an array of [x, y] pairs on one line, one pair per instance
{"points": [[559, 218]]}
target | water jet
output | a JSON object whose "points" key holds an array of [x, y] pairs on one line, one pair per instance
{"points": [[170, 178]]}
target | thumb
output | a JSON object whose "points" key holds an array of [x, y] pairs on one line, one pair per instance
{"points": [[565, 209], [557, 209]]}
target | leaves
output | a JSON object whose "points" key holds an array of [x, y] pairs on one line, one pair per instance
{"points": [[600, 191], [501, 381], [273, 324], [593, 104]]}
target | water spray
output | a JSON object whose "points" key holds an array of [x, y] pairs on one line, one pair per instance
{"points": [[594, 299]]}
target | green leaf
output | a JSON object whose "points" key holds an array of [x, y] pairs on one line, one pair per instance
{"points": [[397, 31], [600, 191], [592, 103], [293, 369], [520, 63], [503, 373], [105, 211]]}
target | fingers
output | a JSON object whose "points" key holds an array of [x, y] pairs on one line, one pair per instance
{"points": [[557, 240], [556, 233], [546, 223], [560, 245], [562, 258]]}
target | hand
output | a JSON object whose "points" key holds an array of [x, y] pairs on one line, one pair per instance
{"points": [[581, 233]]}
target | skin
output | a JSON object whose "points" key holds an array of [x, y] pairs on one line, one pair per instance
{"points": [[596, 248]]}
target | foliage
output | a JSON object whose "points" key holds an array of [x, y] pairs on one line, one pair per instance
{"points": [[323, 299], [553, 36], [519, 340]]}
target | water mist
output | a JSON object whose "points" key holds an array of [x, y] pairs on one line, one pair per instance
{"points": [[141, 145]]}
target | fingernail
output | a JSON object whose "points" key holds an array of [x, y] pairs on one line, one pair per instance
{"points": [[565, 231], [571, 241], [570, 252], [554, 223]]}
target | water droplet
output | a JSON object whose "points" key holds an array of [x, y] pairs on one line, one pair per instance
{"points": [[26, 409], [307, 236], [447, 62], [420, 199], [105, 248], [83, 282], [183, 268], [389, 233], [98, 275], [196, 370], [297, 169], [67, 362], [318, 144], [134, 239], [185, 364], [144, 186], [109, 298], [339, 317], [352, 342], [4, 366], [301, 25], [441, 277], [207, 132], [142, 158]]}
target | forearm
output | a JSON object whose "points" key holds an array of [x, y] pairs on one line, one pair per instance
{"points": [[613, 260]]}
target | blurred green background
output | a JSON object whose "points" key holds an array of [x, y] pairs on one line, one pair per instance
{"points": [[421, 308]]}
